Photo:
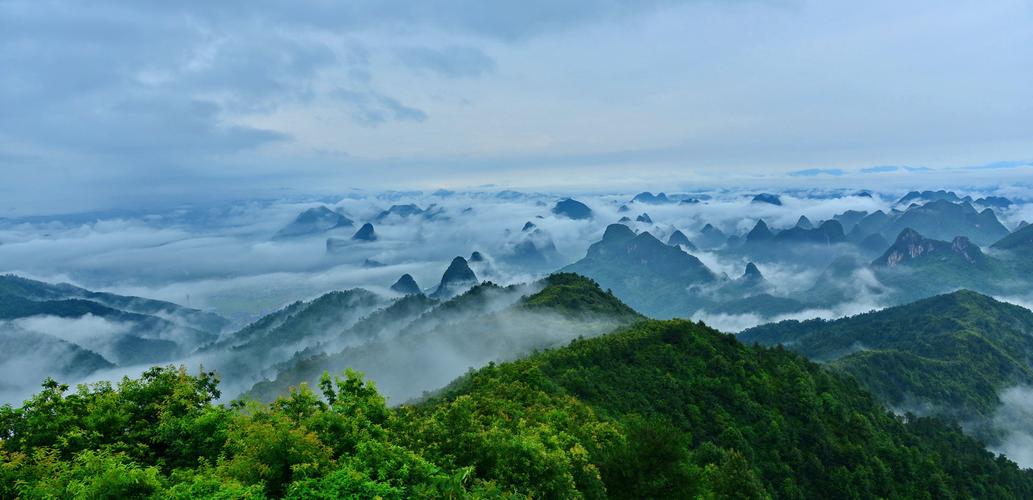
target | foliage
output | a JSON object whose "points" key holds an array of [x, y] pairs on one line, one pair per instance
{"points": [[952, 352], [661, 409]]}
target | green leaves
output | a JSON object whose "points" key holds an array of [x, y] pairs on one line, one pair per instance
{"points": [[660, 409]]}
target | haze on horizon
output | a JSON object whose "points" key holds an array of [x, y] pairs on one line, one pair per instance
{"points": [[111, 104]]}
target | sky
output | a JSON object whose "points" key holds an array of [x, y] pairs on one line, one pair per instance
{"points": [[107, 104]]}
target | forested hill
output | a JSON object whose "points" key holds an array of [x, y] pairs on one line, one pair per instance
{"points": [[952, 353], [660, 409]]}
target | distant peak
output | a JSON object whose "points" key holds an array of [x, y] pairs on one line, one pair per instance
{"points": [[760, 232], [771, 199], [752, 273], [678, 238], [476, 257], [573, 209], [644, 218], [528, 226], [406, 285], [365, 233], [616, 233], [456, 277]]}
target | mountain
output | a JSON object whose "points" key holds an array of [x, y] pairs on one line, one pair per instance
{"points": [[950, 354], [1019, 241], [874, 243], [711, 237], [314, 221], [945, 220], [456, 279], [916, 267], [927, 196], [29, 357], [572, 209], [804, 223], [759, 234], [911, 247], [648, 275], [365, 233], [398, 211], [644, 217], [406, 285], [655, 409], [93, 321], [678, 238], [299, 324], [829, 232], [422, 348], [532, 249], [939, 219], [751, 273], [870, 224], [849, 218], [184, 316], [771, 199], [528, 226], [994, 202], [650, 198], [692, 399]]}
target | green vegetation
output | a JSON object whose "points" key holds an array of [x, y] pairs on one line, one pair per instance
{"points": [[576, 295], [661, 409], [486, 323], [951, 352], [650, 276]]}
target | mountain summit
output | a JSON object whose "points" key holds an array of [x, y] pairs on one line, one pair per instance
{"points": [[457, 278], [572, 209], [911, 246], [406, 285], [314, 221], [365, 233]]}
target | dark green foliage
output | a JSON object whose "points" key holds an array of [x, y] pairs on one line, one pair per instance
{"points": [[647, 274], [576, 295], [658, 410], [952, 352], [103, 303], [473, 328], [1021, 239]]}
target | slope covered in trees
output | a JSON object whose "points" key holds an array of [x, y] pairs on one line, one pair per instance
{"points": [[659, 409], [952, 352], [417, 344]]}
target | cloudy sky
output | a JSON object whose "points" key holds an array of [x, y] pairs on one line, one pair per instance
{"points": [[111, 103]]}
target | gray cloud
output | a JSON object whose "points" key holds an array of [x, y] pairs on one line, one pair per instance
{"points": [[453, 61], [112, 103], [372, 109]]}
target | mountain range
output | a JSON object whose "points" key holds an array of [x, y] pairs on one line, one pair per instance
{"points": [[951, 355]]}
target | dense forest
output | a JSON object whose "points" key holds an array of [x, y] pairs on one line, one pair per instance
{"points": [[951, 353], [657, 409]]}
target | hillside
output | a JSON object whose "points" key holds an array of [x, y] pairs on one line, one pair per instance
{"points": [[652, 277], [61, 329], [661, 409], [952, 353], [39, 291], [422, 345]]}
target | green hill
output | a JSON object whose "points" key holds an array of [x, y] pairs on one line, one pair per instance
{"points": [[660, 409], [1021, 239], [650, 276], [952, 352], [416, 344]]}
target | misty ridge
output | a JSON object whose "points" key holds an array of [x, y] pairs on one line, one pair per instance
{"points": [[416, 289]]}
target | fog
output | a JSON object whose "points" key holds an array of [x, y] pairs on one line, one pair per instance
{"points": [[224, 258], [1014, 421]]}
